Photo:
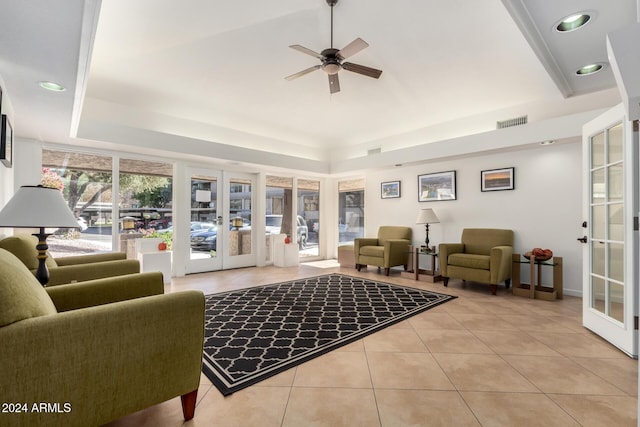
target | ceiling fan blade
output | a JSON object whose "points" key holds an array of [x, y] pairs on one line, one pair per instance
{"points": [[352, 48], [334, 83], [306, 50], [303, 72], [361, 69]]}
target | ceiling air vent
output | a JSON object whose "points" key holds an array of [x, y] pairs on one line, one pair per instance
{"points": [[374, 151], [512, 122]]}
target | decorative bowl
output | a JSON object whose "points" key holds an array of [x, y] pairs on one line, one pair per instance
{"points": [[546, 257]]}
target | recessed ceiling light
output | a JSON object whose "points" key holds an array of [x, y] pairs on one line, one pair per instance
{"points": [[589, 69], [55, 87], [548, 142], [573, 22]]}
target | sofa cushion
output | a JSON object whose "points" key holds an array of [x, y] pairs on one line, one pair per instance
{"points": [[23, 246], [21, 295], [376, 251], [482, 262]]}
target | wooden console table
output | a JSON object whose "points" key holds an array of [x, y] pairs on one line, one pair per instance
{"points": [[538, 291]]}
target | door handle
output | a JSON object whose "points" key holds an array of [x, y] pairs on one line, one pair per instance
{"points": [[582, 239]]}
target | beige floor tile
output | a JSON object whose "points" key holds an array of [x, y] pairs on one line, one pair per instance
{"points": [[522, 410], [253, 406], [334, 407], [335, 369], [561, 375], [283, 379], [483, 322], [395, 340], [598, 411], [623, 373], [407, 371], [482, 372], [533, 322], [452, 341], [434, 320], [408, 384], [165, 414], [578, 345], [400, 408], [514, 342]]}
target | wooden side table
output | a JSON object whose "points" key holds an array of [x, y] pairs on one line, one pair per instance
{"points": [[535, 289], [432, 275]]}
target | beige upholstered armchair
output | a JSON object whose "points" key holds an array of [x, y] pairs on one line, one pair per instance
{"points": [[72, 268], [484, 256], [95, 351], [389, 249]]}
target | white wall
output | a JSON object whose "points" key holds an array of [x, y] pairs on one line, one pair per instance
{"points": [[544, 210]]}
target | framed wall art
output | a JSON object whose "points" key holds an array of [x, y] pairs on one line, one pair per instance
{"points": [[6, 141], [437, 186], [497, 179], [390, 190]]}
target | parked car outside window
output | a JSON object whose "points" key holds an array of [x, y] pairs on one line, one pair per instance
{"points": [[274, 224]]}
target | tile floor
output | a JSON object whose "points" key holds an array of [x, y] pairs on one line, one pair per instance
{"points": [[479, 360]]}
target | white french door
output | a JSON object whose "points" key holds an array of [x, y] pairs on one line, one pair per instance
{"points": [[610, 203], [221, 208]]}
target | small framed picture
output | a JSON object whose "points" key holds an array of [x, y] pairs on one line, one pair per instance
{"points": [[6, 141], [390, 190], [437, 186], [497, 179]]}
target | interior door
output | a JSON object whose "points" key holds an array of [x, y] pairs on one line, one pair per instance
{"points": [[610, 203]]}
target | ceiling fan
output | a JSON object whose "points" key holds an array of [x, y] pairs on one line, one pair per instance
{"points": [[332, 59]]}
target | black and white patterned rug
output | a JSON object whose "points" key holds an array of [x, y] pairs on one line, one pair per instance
{"points": [[253, 334]]}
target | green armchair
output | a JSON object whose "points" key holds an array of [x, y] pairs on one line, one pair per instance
{"points": [[87, 353], [484, 256], [72, 268], [389, 249]]}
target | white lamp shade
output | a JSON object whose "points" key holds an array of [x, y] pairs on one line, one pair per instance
{"points": [[427, 216], [35, 207]]}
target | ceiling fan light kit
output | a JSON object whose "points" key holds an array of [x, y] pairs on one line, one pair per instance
{"points": [[331, 59]]}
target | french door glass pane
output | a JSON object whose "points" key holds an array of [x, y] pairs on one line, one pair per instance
{"points": [[616, 264], [308, 216], [598, 219], [615, 144], [597, 150], [616, 229], [616, 301], [615, 183], [240, 215], [598, 190], [598, 294], [204, 213], [279, 208], [597, 258]]}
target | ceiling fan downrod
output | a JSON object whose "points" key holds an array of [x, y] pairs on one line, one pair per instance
{"points": [[333, 3]]}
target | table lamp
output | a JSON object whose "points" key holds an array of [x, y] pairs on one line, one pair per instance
{"points": [[426, 217], [38, 207]]}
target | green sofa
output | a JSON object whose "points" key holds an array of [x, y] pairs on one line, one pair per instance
{"points": [[483, 255], [87, 353], [72, 268], [389, 249]]}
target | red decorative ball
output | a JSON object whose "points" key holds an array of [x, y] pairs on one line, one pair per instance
{"points": [[287, 240], [162, 246]]}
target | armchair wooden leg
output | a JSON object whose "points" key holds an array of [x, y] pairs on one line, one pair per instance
{"points": [[387, 271], [445, 281], [189, 404], [494, 288], [507, 283], [358, 266]]}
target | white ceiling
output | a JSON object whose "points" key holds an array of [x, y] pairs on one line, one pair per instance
{"points": [[214, 70]]}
